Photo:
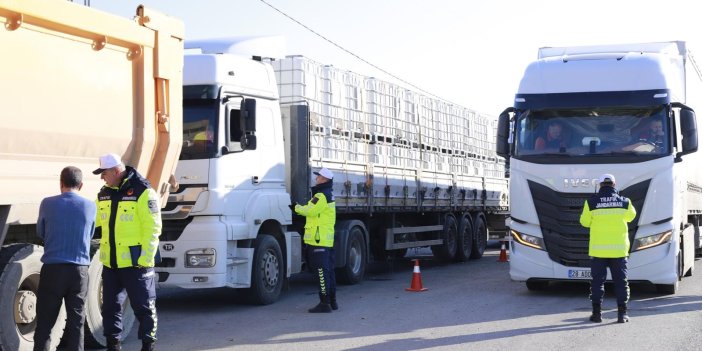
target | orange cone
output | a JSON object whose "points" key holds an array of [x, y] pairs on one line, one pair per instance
{"points": [[503, 253], [416, 285]]}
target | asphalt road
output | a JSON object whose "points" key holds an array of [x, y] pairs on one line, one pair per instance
{"points": [[471, 305]]}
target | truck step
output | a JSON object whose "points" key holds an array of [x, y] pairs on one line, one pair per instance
{"points": [[234, 261]]}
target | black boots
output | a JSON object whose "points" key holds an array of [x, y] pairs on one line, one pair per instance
{"points": [[147, 346], [596, 316], [332, 301], [622, 317], [596, 313], [113, 345], [323, 305]]}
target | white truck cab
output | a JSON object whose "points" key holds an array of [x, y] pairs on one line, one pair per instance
{"points": [[584, 111]]}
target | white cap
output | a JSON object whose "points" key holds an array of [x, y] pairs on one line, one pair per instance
{"points": [[325, 173], [607, 178], [108, 161]]}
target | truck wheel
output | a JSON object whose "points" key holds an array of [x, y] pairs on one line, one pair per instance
{"points": [[670, 289], [93, 308], [537, 285], [465, 239], [267, 275], [20, 265], [355, 253], [447, 250], [480, 236], [667, 289]]}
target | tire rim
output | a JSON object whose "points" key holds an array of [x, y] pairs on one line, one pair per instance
{"points": [[451, 237], [270, 269], [25, 303], [467, 239], [355, 257], [26, 306], [481, 238]]}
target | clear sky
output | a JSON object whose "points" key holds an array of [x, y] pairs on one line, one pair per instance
{"points": [[465, 51]]}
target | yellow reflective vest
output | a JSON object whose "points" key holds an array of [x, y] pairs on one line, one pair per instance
{"points": [[130, 217], [607, 214], [320, 213]]}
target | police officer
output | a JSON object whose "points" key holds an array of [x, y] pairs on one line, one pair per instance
{"points": [[130, 216], [607, 214], [320, 213]]}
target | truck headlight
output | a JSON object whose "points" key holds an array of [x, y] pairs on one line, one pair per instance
{"points": [[651, 241], [528, 240], [200, 258]]}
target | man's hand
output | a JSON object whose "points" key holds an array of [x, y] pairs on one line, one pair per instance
{"points": [[292, 206]]}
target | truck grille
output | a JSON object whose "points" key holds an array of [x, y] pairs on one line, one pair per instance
{"points": [[173, 228], [559, 215]]}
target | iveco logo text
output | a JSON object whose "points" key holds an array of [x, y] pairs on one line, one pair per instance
{"points": [[579, 182]]}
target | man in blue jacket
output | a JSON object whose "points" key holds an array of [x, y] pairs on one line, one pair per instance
{"points": [[66, 224]]}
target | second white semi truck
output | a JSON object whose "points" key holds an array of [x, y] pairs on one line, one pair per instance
{"points": [[409, 171], [584, 111]]}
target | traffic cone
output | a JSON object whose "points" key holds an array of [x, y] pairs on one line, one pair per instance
{"points": [[416, 285], [503, 253]]}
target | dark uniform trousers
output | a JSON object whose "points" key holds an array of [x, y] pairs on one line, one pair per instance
{"points": [[61, 282], [140, 285], [617, 266], [322, 262]]}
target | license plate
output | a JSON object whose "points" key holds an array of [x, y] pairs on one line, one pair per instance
{"points": [[579, 274]]}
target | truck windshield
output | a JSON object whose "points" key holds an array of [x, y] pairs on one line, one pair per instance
{"points": [[593, 132], [199, 126]]}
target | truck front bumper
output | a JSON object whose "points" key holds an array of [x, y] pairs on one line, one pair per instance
{"points": [[657, 265]]}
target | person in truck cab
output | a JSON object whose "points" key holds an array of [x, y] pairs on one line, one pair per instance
{"points": [[650, 140], [607, 214], [553, 138], [129, 213], [320, 214]]}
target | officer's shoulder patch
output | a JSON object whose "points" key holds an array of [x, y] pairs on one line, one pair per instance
{"points": [[153, 206], [314, 200]]}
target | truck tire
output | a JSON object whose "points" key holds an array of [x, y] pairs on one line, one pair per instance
{"points": [[93, 334], [267, 275], [465, 239], [356, 258], [447, 250], [480, 233], [537, 285], [671, 289], [20, 265]]}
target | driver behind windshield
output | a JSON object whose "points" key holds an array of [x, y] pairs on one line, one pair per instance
{"points": [[553, 138], [651, 139]]}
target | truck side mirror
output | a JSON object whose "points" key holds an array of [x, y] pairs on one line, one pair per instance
{"points": [[248, 142], [688, 129], [503, 131], [248, 124], [248, 115]]}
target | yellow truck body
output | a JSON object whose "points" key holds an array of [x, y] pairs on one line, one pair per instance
{"points": [[76, 83]]}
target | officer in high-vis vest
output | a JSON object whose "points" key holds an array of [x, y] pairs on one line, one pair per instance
{"points": [[607, 214], [129, 214], [320, 213]]}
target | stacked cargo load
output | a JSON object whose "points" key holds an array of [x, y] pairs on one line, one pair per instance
{"points": [[389, 147]]}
